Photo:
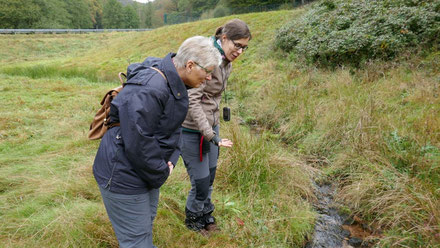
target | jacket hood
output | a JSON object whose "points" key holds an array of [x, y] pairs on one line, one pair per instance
{"points": [[134, 69], [137, 73]]}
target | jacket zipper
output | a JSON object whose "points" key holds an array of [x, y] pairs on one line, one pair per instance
{"points": [[108, 185], [223, 86], [213, 113]]}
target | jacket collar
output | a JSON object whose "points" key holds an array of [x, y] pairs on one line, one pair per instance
{"points": [[176, 84], [218, 45]]}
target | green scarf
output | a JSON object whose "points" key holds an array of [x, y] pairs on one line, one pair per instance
{"points": [[220, 49]]}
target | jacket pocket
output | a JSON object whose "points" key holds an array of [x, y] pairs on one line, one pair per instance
{"points": [[190, 144], [115, 160]]}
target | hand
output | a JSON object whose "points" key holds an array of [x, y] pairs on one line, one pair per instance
{"points": [[225, 143], [171, 166]]}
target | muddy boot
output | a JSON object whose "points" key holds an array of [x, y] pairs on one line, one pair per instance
{"points": [[210, 224], [195, 222]]}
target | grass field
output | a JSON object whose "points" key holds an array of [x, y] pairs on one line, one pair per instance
{"points": [[51, 86], [375, 131]]}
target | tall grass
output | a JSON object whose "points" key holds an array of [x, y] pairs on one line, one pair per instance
{"points": [[49, 71], [260, 194], [48, 197], [271, 183], [375, 130]]}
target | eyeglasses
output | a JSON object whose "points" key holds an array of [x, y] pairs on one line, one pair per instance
{"points": [[238, 46], [206, 70]]}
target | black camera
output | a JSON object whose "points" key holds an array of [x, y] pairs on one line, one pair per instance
{"points": [[226, 114]]}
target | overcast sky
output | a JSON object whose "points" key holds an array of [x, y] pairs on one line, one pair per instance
{"points": [[142, 1]]}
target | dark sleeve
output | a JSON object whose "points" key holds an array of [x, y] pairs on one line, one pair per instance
{"points": [[139, 118], [176, 153]]}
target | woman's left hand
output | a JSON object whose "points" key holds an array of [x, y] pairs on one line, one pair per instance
{"points": [[225, 143]]}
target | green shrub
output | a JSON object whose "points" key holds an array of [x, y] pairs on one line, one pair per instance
{"points": [[221, 10], [341, 32]]}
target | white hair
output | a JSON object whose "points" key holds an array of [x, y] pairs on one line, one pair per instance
{"points": [[200, 50]]}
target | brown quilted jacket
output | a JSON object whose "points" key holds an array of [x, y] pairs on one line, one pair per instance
{"points": [[204, 102]]}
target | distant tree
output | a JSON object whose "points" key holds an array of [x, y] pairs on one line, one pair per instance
{"points": [[161, 9], [112, 14], [253, 3], [200, 6], [131, 19], [158, 18], [148, 15], [221, 10], [184, 10], [45, 14], [166, 5], [79, 14], [126, 2], [19, 13], [95, 11], [54, 14], [185, 6]]}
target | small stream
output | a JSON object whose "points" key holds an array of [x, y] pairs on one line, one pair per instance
{"points": [[333, 230], [329, 231]]}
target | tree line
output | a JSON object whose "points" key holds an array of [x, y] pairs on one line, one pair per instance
{"points": [[98, 14], [73, 14]]}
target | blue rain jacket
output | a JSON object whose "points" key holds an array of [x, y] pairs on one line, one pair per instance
{"points": [[133, 157]]}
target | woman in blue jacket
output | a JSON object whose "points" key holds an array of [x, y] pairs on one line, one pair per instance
{"points": [[135, 158]]}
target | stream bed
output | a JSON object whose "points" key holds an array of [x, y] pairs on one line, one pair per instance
{"points": [[333, 230]]}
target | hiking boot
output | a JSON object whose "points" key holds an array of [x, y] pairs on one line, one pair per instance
{"points": [[195, 222], [210, 224], [196, 227], [212, 228]]}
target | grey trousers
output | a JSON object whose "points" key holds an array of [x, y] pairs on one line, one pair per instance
{"points": [[201, 173], [132, 217]]}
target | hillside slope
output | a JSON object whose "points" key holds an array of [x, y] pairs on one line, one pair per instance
{"points": [[375, 132], [52, 85]]}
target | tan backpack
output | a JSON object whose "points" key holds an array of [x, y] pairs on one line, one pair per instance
{"points": [[100, 123]]}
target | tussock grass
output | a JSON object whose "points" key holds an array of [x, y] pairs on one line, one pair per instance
{"points": [[47, 195], [51, 86], [49, 71], [375, 130], [260, 198]]}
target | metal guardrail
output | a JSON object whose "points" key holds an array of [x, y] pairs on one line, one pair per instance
{"points": [[66, 31]]}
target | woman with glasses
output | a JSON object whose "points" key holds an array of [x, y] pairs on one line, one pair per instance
{"points": [[137, 156], [201, 137]]}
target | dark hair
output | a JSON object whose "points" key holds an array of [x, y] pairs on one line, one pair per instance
{"points": [[234, 29]]}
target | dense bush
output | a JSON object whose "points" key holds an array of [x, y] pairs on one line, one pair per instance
{"points": [[349, 32]]}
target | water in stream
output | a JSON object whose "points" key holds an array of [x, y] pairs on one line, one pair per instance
{"points": [[329, 231]]}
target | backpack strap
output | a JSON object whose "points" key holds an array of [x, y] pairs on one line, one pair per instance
{"points": [[121, 79], [115, 91], [160, 72]]}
